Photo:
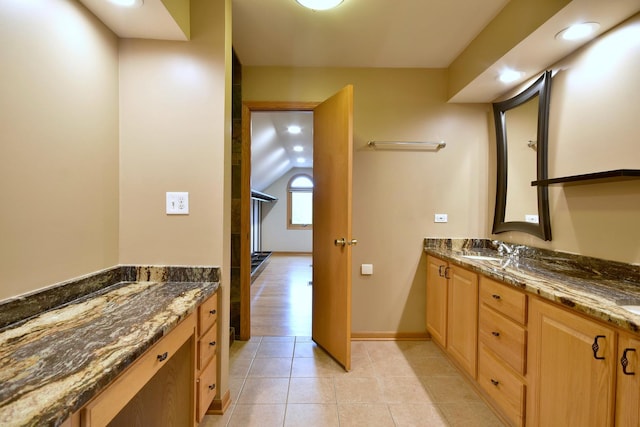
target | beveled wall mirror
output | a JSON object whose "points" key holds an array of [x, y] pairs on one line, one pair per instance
{"points": [[521, 137]]}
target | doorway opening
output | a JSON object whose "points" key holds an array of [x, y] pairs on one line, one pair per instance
{"points": [[265, 173]]}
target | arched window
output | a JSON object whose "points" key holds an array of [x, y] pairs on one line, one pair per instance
{"points": [[300, 202]]}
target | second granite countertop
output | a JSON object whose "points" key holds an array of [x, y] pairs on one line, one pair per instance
{"points": [[54, 363], [588, 285]]}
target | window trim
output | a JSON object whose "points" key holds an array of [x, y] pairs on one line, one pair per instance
{"points": [[290, 190]]}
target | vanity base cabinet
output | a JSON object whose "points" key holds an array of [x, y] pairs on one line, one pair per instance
{"points": [[462, 318], [502, 348], [452, 311], [437, 300], [571, 363], [628, 381], [506, 389]]}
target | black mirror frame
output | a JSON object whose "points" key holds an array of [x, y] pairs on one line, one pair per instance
{"points": [[542, 88]]}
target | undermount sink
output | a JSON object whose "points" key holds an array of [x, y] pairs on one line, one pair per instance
{"points": [[482, 257], [631, 305]]}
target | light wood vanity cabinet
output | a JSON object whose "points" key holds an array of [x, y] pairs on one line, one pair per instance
{"points": [[437, 300], [207, 350], [502, 347], [572, 368], [172, 383], [628, 381], [452, 311]]}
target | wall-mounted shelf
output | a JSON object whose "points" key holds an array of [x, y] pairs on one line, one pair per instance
{"points": [[594, 178]]}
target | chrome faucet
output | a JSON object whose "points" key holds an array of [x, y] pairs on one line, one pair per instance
{"points": [[502, 247]]}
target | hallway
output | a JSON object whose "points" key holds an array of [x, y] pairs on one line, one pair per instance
{"points": [[281, 297]]}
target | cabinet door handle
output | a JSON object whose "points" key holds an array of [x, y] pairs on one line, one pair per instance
{"points": [[440, 273], [162, 357], [496, 297], [446, 273], [595, 347], [214, 311], [625, 362], [212, 387], [495, 382], [212, 343], [495, 333]]}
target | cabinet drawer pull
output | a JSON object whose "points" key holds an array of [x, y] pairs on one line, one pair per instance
{"points": [[495, 382], [212, 343], [625, 362], [495, 333], [496, 297], [440, 273], [446, 273], [214, 311], [595, 347], [212, 387], [162, 357]]}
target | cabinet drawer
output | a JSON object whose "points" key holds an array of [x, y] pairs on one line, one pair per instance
{"points": [[206, 388], [509, 302], [504, 387], [107, 404], [504, 337], [207, 346], [207, 314]]}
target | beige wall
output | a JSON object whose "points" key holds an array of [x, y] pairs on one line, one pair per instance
{"points": [[175, 135], [275, 235], [396, 194], [58, 144], [95, 132], [593, 127]]}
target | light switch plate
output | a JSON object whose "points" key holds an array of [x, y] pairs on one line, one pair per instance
{"points": [[440, 218], [177, 203]]}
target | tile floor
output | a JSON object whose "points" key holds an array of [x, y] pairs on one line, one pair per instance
{"points": [[289, 381]]}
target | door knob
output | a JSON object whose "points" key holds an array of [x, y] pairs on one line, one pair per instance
{"points": [[343, 242]]}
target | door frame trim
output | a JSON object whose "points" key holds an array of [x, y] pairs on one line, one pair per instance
{"points": [[245, 201]]}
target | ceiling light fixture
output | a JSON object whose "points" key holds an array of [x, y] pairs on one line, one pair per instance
{"points": [[510, 76], [298, 148], [127, 3], [578, 31], [294, 129], [319, 4]]}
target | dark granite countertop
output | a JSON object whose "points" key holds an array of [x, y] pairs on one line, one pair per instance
{"points": [[588, 285], [54, 362]]}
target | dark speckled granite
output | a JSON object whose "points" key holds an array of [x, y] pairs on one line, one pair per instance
{"points": [[25, 306], [589, 285], [53, 362]]}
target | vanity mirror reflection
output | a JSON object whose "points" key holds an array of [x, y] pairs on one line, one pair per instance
{"points": [[521, 136]]}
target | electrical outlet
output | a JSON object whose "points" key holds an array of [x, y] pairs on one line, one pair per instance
{"points": [[440, 218], [531, 218], [177, 203]]}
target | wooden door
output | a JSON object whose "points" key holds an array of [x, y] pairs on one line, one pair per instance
{"points": [[628, 394], [462, 318], [332, 162], [437, 300], [568, 385]]}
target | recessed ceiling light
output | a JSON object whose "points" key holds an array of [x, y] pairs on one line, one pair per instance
{"points": [[294, 129], [300, 159], [510, 76], [319, 4], [578, 31], [298, 148], [127, 3]]}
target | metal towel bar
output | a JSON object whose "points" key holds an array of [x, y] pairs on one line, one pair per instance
{"points": [[412, 145]]}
